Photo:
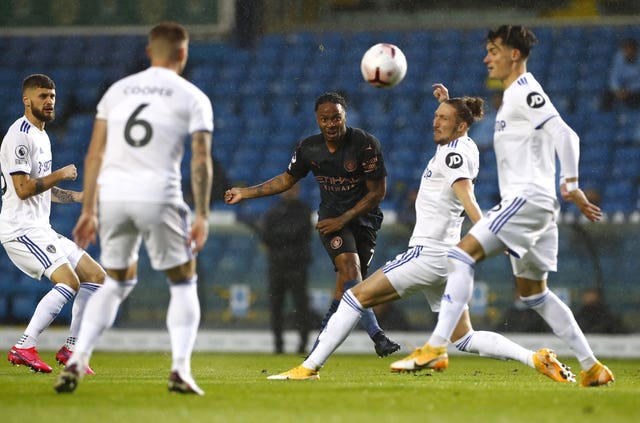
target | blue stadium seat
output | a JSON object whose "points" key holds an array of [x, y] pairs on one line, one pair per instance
{"points": [[595, 152], [23, 306], [255, 208], [127, 49], [625, 163], [598, 134], [362, 40], [272, 40], [241, 174], [98, 49], [207, 53], [627, 133], [619, 195], [79, 127], [225, 90], [287, 85], [250, 107], [269, 56], [4, 308], [331, 42]]}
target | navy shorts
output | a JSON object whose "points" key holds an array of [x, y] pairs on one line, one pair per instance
{"points": [[352, 239]]}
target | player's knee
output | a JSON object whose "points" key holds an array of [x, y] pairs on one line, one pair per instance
{"points": [[96, 275], [64, 274]]}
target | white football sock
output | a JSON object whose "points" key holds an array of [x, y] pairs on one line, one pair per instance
{"points": [[494, 345], [104, 304], [561, 320], [79, 303], [456, 295], [47, 310], [338, 328], [183, 319]]}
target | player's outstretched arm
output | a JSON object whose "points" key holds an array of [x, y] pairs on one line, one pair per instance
{"points": [[273, 186], [59, 195], [26, 186]]}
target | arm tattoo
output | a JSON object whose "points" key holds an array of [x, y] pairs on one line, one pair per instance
{"points": [[270, 187], [62, 195], [201, 185], [39, 187], [201, 172]]}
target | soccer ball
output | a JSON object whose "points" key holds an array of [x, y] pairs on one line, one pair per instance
{"points": [[383, 65]]}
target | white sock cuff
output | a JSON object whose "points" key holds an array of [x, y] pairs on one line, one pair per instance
{"points": [[90, 286], [349, 299], [125, 283], [65, 290], [462, 344], [188, 281], [535, 300], [457, 253]]}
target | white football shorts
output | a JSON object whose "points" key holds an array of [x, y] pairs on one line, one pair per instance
{"points": [[163, 227], [527, 231], [40, 251], [419, 269]]}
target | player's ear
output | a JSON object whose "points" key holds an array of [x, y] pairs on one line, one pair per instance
{"points": [[182, 53], [516, 54]]}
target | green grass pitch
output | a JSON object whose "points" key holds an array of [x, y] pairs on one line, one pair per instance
{"points": [[131, 387]]}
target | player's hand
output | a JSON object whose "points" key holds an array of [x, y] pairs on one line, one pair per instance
{"points": [[69, 172], [588, 209], [84, 233], [440, 92], [233, 196], [327, 226], [199, 234], [564, 193]]}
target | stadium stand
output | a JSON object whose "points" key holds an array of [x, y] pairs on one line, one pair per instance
{"points": [[263, 103]]}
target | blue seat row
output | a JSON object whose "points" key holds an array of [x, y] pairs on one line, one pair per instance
{"points": [[263, 97]]}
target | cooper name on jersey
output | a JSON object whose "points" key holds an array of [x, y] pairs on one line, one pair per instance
{"points": [[146, 90]]}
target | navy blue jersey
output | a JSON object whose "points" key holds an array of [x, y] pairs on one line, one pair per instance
{"points": [[342, 175]]}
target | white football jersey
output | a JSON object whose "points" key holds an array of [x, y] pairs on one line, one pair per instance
{"points": [[439, 213], [525, 155], [25, 149], [150, 116]]}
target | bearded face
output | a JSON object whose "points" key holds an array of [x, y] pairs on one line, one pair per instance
{"points": [[41, 102]]}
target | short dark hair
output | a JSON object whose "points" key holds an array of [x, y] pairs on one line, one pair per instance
{"points": [[514, 36], [170, 31], [331, 97], [38, 80]]}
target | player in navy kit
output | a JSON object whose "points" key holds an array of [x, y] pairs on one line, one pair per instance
{"points": [[444, 198], [349, 168]]}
